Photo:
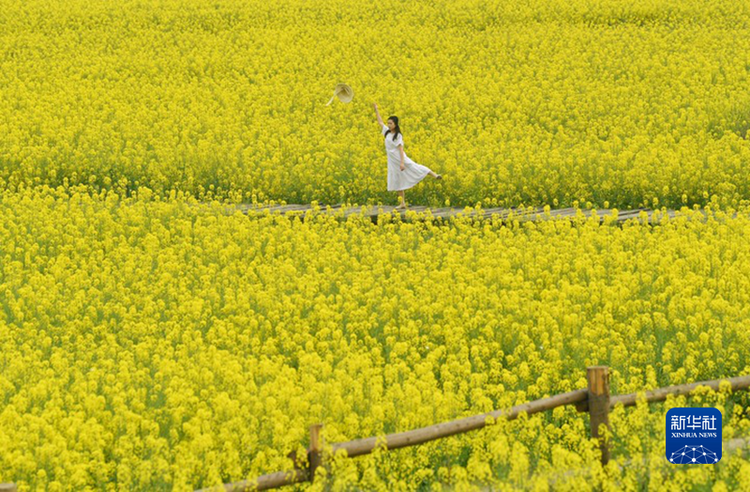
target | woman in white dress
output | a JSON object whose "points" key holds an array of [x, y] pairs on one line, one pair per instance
{"points": [[403, 173]]}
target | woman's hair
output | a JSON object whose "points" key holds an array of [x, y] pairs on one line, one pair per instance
{"points": [[398, 128]]}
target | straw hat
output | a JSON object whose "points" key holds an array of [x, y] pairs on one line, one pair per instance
{"points": [[343, 92]]}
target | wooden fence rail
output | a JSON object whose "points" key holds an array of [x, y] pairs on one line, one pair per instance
{"points": [[595, 400]]}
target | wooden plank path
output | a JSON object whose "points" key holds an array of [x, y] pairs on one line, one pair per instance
{"points": [[446, 213]]}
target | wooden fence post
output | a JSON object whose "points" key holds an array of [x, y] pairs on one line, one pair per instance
{"points": [[598, 377], [316, 449], [8, 487]]}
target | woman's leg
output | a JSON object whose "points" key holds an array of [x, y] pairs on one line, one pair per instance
{"points": [[403, 200]]}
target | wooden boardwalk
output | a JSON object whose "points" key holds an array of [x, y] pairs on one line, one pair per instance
{"points": [[446, 213]]}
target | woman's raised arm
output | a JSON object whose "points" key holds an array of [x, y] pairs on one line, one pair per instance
{"points": [[377, 113]]}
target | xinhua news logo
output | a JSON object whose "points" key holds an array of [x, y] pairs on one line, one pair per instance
{"points": [[693, 436]]}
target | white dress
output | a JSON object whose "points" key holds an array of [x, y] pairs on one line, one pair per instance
{"points": [[412, 174]]}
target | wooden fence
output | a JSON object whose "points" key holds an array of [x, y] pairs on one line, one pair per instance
{"points": [[596, 400]]}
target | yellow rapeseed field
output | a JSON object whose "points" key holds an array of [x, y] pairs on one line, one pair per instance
{"points": [[152, 342], [149, 344], [534, 102]]}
